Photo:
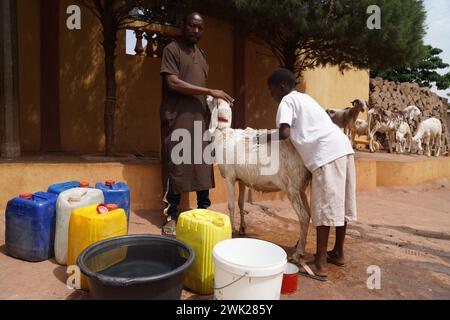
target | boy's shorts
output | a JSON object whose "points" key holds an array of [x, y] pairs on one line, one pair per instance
{"points": [[333, 193]]}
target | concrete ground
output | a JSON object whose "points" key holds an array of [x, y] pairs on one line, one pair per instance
{"points": [[404, 231]]}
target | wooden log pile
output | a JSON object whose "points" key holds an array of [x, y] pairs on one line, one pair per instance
{"points": [[397, 96]]}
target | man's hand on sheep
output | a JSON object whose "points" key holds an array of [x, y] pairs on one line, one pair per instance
{"points": [[219, 94]]}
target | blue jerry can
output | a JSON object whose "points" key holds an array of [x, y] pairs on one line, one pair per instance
{"points": [[117, 193], [57, 188], [30, 226]]}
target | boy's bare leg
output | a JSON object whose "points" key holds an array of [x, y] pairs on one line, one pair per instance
{"points": [[337, 254], [319, 265], [321, 252]]}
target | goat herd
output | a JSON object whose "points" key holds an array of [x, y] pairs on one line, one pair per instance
{"points": [[396, 126], [292, 177]]}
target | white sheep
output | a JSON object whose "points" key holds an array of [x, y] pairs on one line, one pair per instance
{"points": [[291, 177], [403, 137], [410, 113], [429, 133]]}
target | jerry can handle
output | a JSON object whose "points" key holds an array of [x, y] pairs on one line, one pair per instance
{"points": [[217, 221]]}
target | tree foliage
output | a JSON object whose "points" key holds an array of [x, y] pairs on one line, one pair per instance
{"points": [[302, 34], [424, 72], [305, 34]]}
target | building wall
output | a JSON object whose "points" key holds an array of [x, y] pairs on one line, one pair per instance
{"points": [[145, 194], [82, 84], [138, 86], [328, 86], [28, 27]]}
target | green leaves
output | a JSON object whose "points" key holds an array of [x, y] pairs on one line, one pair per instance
{"points": [[306, 33], [424, 72]]}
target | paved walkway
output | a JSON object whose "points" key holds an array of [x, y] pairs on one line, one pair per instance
{"points": [[404, 231]]}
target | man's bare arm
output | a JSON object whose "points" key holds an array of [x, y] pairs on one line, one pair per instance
{"points": [[176, 84]]}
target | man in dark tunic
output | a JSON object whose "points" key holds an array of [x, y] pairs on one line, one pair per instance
{"points": [[184, 70]]}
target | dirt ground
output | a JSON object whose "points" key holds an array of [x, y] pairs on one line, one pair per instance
{"points": [[404, 231]]}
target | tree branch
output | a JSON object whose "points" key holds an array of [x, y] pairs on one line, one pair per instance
{"points": [[92, 9]]}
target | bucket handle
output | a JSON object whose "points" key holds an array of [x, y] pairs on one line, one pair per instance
{"points": [[227, 285]]}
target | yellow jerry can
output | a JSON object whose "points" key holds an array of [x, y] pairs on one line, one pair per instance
{"points": [[202, 229], [88, 226]]}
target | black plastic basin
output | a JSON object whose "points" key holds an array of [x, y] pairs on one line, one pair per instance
{"points": [[136, 267]]}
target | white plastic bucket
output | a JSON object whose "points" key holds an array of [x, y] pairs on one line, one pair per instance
{"points": [[68, 201], [248, 269]]}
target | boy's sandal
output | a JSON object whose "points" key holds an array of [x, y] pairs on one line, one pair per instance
{"points": [[310, 274]]}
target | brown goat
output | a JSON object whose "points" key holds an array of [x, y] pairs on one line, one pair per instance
{"points": [[345, 118]]}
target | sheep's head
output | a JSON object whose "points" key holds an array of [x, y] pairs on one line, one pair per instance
{"points": [[360, 104], [411, 113], [221, 114], [416, 145]]}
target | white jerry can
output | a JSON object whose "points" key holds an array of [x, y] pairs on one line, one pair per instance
{"points": [[68, 201]]}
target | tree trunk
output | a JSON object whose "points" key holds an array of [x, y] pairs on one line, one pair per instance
{"points": [[290, 60], [109, 44]]}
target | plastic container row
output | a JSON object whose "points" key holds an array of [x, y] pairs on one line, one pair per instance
{"points": [[37, 225]]}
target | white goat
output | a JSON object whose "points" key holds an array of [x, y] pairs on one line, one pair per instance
{"points": [[361, 128], [403, 138], [388, 122], [291, 177], [379, 121], [429, 133]]}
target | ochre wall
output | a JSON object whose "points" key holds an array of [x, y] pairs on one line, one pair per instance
{"points": [[328, 86], [82, 84], [138, 86], [145, 194], [28, 29], [333, 89], [260, 109]]}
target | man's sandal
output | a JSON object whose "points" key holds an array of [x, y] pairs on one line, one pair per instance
{"points": [[310, 274], [169, 231]]}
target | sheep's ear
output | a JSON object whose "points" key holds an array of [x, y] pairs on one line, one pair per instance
{"points": [[354, 101], [209, 100], [214, 119]]}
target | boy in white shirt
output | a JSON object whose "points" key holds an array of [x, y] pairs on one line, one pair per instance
{"points": [[328, 154]]}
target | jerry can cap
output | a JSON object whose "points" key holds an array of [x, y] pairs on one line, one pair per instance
{"points": [[110, 182], [101, 208], [84, 184], [26, 196], [112, 206]]}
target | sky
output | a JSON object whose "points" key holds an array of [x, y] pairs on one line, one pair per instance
{"points": [[437, 28], [438, 31]]}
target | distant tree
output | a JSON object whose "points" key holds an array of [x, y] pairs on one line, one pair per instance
{"points": [[304, 34], [424, 72]]}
